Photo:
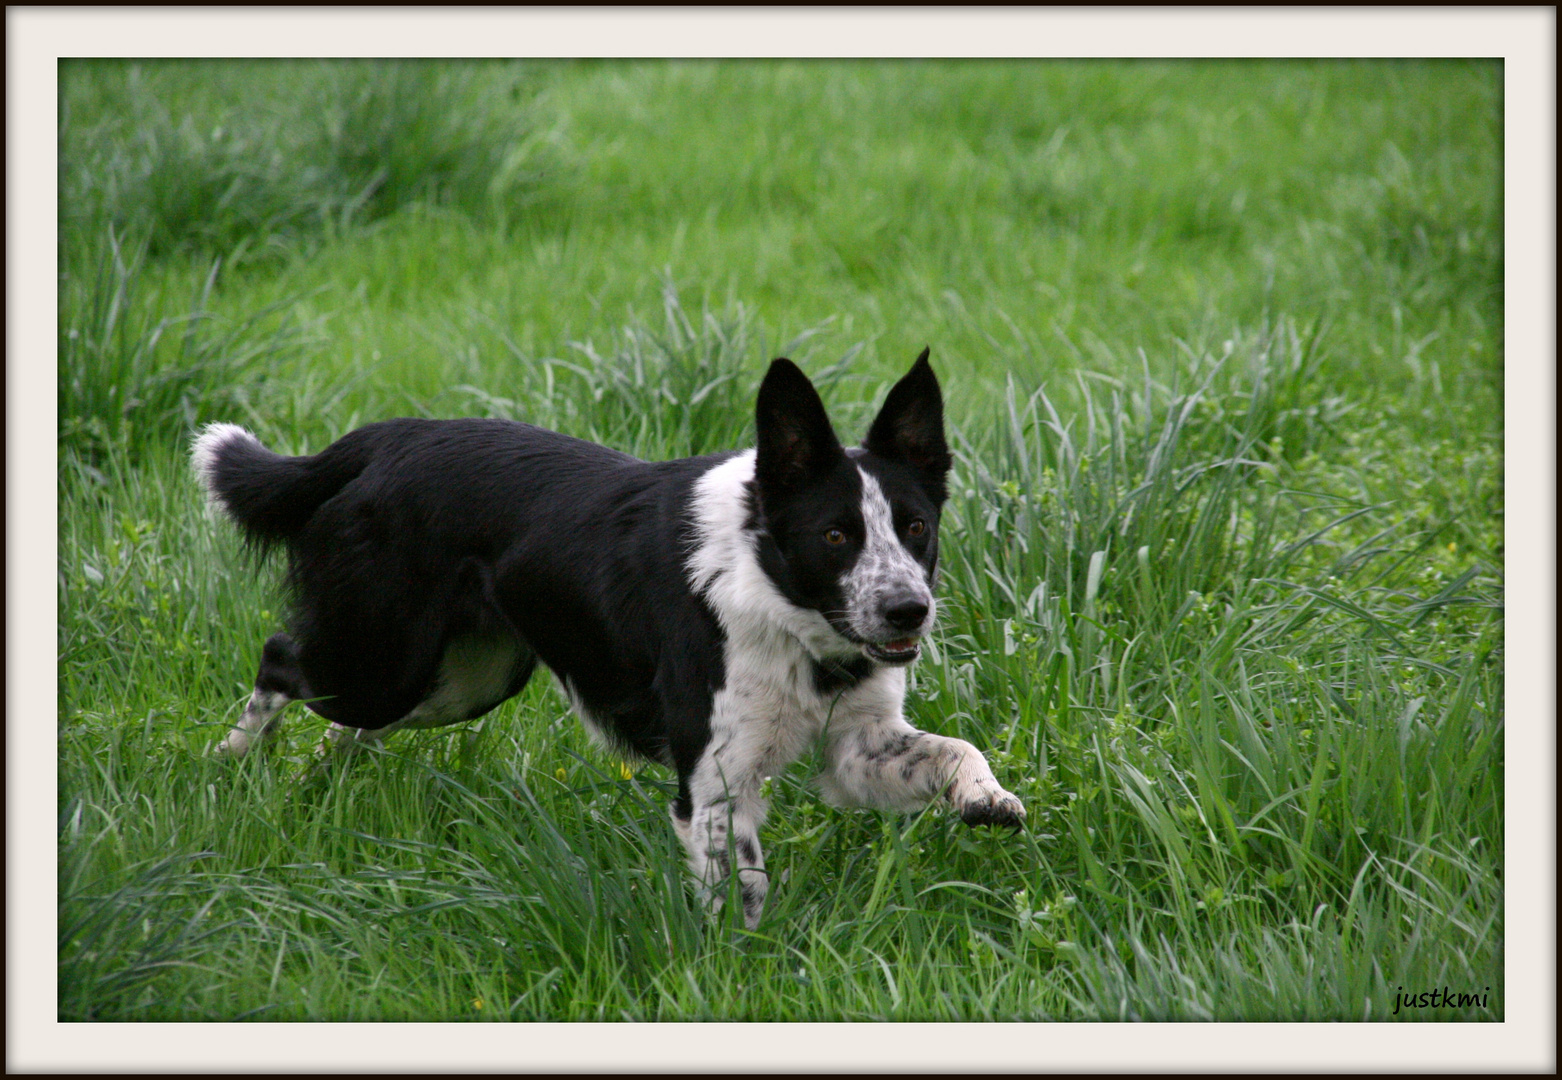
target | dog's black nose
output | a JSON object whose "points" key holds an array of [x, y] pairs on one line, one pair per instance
{"points": [[906, 613]]}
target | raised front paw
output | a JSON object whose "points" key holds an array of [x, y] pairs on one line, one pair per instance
{"points": [[991, 807]]}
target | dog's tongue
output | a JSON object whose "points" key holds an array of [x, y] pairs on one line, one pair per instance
{"points": [[902, 645]]}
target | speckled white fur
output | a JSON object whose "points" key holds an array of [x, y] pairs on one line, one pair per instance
{"points": [[883, 568]]}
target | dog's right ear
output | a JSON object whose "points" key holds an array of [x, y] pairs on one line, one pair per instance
{"points": [[796, 441]]}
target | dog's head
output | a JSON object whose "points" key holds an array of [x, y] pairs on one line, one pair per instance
{"points": [[853, 533]]}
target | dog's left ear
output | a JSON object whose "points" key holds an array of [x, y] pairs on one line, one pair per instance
{"points": [[910, 426]]}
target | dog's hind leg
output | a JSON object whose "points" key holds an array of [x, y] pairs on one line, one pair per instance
{"points": [[278, 682], [341, 739]]}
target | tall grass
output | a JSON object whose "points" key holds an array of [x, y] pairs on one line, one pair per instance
{"points": [[1222, 565], [166, 151], [137, 366], [159, 161]]}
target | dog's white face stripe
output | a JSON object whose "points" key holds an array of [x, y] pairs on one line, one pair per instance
{"points": [[884, 571], [724, 567]]}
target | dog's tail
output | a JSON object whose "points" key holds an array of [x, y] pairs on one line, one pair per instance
{"points": [[268, 495]]}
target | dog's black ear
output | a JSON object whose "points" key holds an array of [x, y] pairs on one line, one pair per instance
{"points": [[910, 426], [796, 441]]}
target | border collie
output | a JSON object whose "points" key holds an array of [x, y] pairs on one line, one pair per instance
{"points": [[716, 614]]}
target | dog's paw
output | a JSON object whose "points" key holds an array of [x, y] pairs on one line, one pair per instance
{"points": [[993, 808], [235, 746]]}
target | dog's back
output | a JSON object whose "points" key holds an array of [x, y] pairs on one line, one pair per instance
{"points": [[409, 536], [473, 477]]}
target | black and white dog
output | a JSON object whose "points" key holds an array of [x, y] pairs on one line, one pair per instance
{"points": [[716, 614]]}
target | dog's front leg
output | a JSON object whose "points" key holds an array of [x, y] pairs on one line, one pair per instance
{"points": [[725, 811], [883, 762]]}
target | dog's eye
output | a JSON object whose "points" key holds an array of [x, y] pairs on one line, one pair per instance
{"points": [[917, 527], [834, 536]]}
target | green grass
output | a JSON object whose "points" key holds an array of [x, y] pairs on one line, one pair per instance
{"points": [[1223, 567]]}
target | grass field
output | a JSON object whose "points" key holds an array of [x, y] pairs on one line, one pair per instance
{"points": [[1223, 568]]}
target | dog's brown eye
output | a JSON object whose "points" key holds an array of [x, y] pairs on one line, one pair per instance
{"points": [[917, 527], [834, 536]]}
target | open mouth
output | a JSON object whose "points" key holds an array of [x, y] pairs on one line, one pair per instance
{"points": [[893, 652]]}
